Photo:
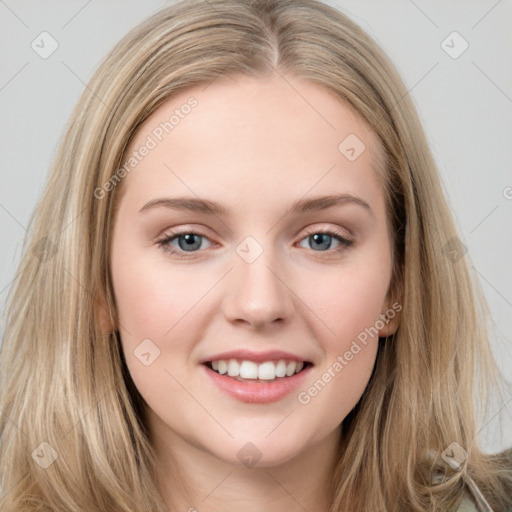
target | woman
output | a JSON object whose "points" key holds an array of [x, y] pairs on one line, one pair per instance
{"points": [[252, 369]]}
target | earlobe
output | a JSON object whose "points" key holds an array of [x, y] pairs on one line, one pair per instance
{"points": [[103, 315], [391, 318]]}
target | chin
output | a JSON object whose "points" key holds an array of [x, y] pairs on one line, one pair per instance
{"points": [[258, 452]]}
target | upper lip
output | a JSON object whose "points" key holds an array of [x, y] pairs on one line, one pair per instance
{"points": [[257, 357]]}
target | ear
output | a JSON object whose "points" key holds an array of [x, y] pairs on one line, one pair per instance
{"points": [[390, 315], [103, 314]]}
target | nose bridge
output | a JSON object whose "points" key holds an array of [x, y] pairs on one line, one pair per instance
{"points": [[257, 293]]}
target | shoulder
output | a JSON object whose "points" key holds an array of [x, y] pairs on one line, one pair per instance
{"points": [[467, 504]]}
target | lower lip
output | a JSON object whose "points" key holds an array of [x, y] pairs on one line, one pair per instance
{"points": [[257, 392]]}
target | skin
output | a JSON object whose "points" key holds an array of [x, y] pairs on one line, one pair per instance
{"points": [[254, 145]]}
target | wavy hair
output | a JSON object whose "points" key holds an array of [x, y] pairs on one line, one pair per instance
{"points": [[72, 428]]}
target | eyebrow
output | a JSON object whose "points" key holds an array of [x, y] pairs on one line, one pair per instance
{"points": [[209, 207]]}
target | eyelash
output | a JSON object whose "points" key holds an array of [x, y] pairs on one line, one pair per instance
{"points": [[163, 243]]}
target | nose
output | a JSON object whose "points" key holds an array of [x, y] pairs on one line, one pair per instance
{"points": [[258, 293]]}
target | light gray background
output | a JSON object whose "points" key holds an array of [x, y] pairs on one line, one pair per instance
{"points": [[465, 104]]}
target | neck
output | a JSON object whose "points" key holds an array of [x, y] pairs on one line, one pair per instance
{"points": [[192, 479]]}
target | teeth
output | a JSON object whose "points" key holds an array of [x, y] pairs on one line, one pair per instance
{"points": [[281, 369], [248, 370], [233, 368], [223, 367], [268, 370]]}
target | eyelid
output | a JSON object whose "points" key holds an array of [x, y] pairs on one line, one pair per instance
{"points": [[187, 229], [346, 234]]}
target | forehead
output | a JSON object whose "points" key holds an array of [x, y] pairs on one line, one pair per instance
{"points": [[257, 135]]}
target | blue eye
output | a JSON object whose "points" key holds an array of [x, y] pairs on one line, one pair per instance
{"points": [[324, 240], [187, 242], [190, 242]]}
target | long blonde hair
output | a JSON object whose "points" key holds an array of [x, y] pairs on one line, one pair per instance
{"points": [[72, 428]]}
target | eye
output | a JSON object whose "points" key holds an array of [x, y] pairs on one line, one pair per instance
{"points": [[322, 239], [188, 241]]}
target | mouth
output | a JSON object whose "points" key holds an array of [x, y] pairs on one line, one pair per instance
{"points": [[251, 371], [259, 382]]}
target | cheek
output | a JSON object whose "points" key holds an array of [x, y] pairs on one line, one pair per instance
{"points": [[350, 308], [348, 300], [152, 297], [155, 306], [338, 386]]}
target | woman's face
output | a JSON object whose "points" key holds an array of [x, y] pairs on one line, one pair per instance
{"points": [[273, 271]]}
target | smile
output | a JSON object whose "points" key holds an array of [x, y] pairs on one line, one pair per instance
{"points": [[243, 370], [251, 382]]}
